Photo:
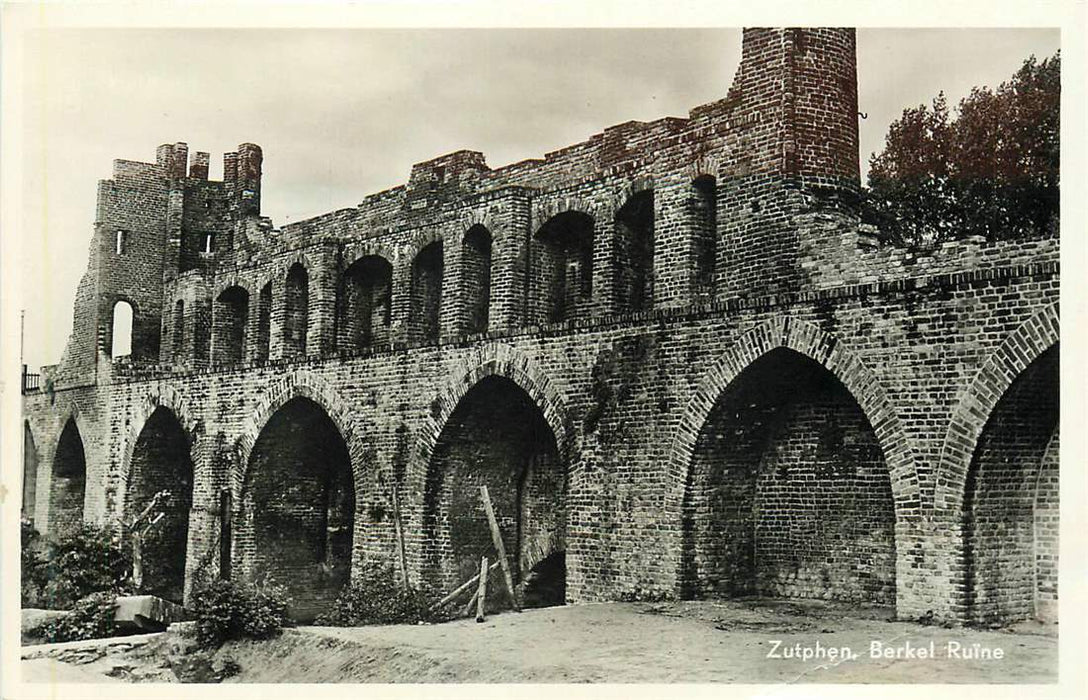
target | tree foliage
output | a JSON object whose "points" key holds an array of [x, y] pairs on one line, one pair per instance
{"points": [[990, 169]]}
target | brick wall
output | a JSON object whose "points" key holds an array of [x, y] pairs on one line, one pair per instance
{"points": [[625, 298]]}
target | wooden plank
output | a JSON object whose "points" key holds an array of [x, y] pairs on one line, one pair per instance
{"points": [[471, 602], [400, 538], [481, 592], [461, 589], [496, 537]]}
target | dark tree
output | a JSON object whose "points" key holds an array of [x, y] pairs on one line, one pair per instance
{"points": [[989, 170]]}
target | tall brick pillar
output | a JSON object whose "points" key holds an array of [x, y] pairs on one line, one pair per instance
{"points": [[450, 310], [509, 263], [401, 301], [321, 336]]}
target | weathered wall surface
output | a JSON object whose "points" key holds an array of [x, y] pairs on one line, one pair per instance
{"points": [[693, 263]]}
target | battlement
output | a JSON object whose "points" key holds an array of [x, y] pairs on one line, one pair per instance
{"points": [[645, 214]]}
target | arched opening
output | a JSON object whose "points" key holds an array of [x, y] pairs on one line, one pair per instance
{"points": [[264, 323], [298, 508], [69, 482], [179, 329], [634, 261], [1011, 503], [296, 311], [30, 472], [789, 495], [497, 437], [563, 267], [426, 294], [230, 319], [161, 477], [704, 235], [121, 330], [476, 278], [366, 301]]}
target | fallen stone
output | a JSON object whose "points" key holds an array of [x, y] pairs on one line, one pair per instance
{"points": [[146, 613]]}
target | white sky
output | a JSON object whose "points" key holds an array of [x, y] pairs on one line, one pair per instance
{"points": [[344, 113]]}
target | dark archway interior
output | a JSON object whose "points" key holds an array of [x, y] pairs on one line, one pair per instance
{"points": [[426, 294], [366, 303], [69, 483], [296, 311], [564, 267], [635, 252], [476, 275], [704, 242], [161, 462], [231, 316], [1011, 545], [789, 494], [497, 437], [298, 510]]}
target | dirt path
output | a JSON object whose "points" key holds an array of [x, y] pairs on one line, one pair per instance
{"points": [[700, 642]]}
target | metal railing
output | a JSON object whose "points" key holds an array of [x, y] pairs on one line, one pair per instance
{"points": [[31, 382]]}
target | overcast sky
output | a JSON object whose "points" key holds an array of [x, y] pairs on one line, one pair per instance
{"points": [[344, 113]]}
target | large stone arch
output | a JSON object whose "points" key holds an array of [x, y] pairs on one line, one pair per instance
{"points": [[158, 397], [858, 380], [491, 360], [496, 361], [843, 363], [1022, 347], [284, 494], [47, 511], [306, 384]]}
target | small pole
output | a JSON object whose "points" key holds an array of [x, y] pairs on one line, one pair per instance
{"points": [[472, 601], [137, 561], [481, 592], [224, 534], [496, 538], [400, 538]]}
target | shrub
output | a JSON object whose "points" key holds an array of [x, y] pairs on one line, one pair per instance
{"points": [[32, 559], [374, 597], [90, 561], [90, 618], [228, 610]]}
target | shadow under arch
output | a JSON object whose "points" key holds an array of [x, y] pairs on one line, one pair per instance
{"points": [[499, 423], [820, 349]]}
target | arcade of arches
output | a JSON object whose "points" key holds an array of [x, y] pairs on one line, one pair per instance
{"points": [[788, 495]]}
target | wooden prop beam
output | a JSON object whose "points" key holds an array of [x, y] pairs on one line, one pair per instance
{"points": [[481, 592], [496, 538]]}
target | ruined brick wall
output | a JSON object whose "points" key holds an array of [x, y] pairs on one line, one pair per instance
{"points": [[790, 493], [634, 279]]}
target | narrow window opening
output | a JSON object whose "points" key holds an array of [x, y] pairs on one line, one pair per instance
{"points": [[209, 243], [121, 242], [121, 342]]}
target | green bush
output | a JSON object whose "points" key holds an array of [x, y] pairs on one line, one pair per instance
{"points": [[56, 575], [90, 618], [375, 597], [90, 561], [32, 558], [228, 610]]}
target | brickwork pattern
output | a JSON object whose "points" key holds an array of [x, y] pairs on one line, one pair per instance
{"points": [[625, 286]]}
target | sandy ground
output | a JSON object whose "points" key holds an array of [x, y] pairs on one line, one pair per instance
{"points": [[720, 642]]}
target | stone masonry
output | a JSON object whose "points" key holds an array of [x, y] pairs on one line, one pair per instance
{"points": [[680, 364]]}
